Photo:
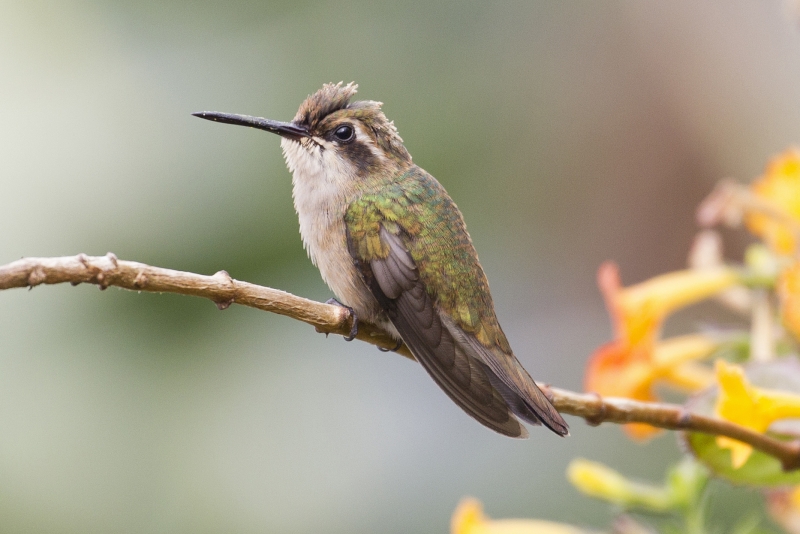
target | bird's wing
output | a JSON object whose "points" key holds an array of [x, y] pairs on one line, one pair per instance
{"points": [[486, 381], [394, 281]]}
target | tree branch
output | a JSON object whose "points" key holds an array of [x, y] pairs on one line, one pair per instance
{"points": [[220, 288], [596, 409], [223, 290]]}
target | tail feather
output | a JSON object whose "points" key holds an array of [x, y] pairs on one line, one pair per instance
{"points": [[513, 382]]}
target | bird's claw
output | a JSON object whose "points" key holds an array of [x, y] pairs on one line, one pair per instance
{"points": [[395, 349], [354, 329]]}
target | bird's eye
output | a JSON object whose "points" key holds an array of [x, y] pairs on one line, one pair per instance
{"points": [[344, 133]]}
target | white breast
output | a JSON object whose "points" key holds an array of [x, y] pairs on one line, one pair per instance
{"points": [[321, 195]]}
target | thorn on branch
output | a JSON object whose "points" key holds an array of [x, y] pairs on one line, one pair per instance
{"points": [[223, 275], [223, 304], [140, 281], [36, 277], [112, 258], [600, 411], [99, 278], [226, 278]]}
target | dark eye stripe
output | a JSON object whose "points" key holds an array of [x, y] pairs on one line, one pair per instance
{"points": [[362, 157]]}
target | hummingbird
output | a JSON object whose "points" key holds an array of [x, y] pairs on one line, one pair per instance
{"points": [[394, 249]]}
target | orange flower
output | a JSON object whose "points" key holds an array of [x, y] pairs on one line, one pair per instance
{"points": [[748, 406], [631, 364], [638, 311], [788, 289], [777, 221], [615, 371]]}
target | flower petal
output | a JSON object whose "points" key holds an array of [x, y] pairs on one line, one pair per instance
{"points": [[778, 188], [470, 519]]}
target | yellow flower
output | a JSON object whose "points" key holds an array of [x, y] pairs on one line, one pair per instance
{"points": [[602, 482], [682, 487], [748, 406], [469, 519], [635, 361], [788, 289], [779, 191]]}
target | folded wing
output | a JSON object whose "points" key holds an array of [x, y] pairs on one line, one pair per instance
{"points": [[409, 242]]}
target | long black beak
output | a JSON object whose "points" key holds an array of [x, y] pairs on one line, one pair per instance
{"points": [[284, 129]]}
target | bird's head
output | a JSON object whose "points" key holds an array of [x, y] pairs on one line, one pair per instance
{"points": [[333, 138]]}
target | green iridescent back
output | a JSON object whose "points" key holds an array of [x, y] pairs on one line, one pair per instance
{"points": [[417, 208]]}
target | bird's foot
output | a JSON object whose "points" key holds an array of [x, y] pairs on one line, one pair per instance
{"points": [[395, 349], [354, 329]]}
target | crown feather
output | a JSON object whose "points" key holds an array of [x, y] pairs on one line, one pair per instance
{"points": [[332, 97]]}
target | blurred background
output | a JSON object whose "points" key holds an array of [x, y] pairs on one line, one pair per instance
{"points": [[568, 133]]}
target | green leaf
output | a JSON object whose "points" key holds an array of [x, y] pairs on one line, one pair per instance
{"points": [[759, 470]]}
